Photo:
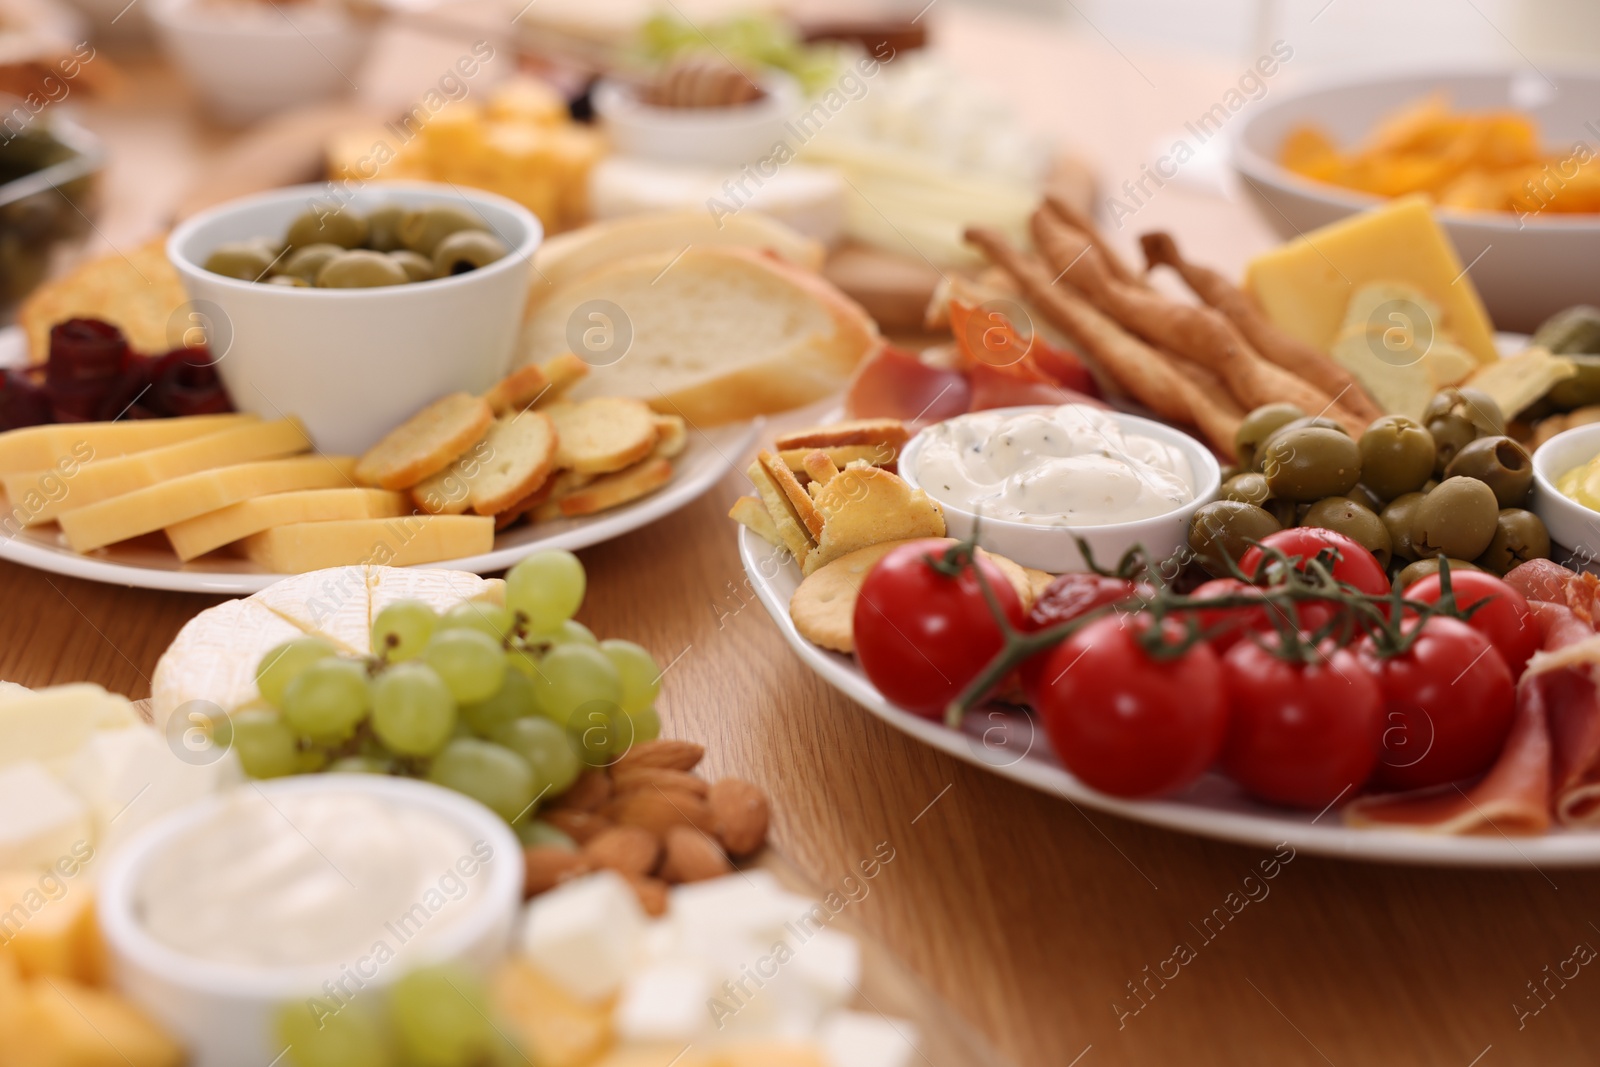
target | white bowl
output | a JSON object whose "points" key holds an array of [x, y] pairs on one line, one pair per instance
{"points": [[224, 1013], [1571, 525], [1054, 548], [354, 363], [1526, 269], [248, 61], [708, 136]]}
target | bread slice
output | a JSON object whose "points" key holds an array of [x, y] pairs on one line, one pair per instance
{"points": [[674, 436], [518, 390], [717, 334], [426, 443], [602, 435], [618, 488], [512, 461]]}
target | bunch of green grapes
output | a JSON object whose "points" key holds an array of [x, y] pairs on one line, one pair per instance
{"points": [[504, 704]]}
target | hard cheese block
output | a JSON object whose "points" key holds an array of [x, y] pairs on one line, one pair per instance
{"points": [[46, 494], [1305, 285], [402, 542], [34, 448], [159, 506], [205, 533]]}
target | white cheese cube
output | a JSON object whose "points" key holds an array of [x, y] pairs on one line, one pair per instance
{"points": [[11, 690], [587, 935], [52, 723], [856, 1039], [830, 963], [664, 1002], [748, 903], [40, 819]]}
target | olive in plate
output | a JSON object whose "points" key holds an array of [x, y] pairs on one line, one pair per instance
{"points": [[1223, 529], [1397, 456], [347, 229], [422, 229], [1451, 433], [383, 228], [1250, 487], [1518, 537], [466, 250], [1363, 494], [1500, 463], [244, 260], [1355, 521], [1474, 405], [1425, 568], [361, 269], [1398, 516], [1293, 424], [306, 263], [418, 268], [1457, 519], [1259, 425], [1311, 462]]}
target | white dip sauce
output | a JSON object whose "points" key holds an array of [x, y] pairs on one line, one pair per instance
{"points": [[1068, 466], [310, 879]]}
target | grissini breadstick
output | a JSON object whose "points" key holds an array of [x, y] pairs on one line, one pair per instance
{"points": [[1209, 384], [1200, 334], [1069, 213], [1269, 339], [1146, 374]]}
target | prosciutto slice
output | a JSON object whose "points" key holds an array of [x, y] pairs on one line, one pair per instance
{"points": [[894, 384]]}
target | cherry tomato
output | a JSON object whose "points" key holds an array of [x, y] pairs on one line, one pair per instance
{"points": [[1355, 567], [1300, 734], [1505, 618], [1125, 722], [1067, 597], [922, 636], [1228, 625], [1448, 702]]}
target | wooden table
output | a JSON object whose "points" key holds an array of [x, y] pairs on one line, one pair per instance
{"points": [[1034, 919]]}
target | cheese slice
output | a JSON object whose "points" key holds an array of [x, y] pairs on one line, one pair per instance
{"points": [[159, 506], [41, 820], [43, 495], [403, 542], [34, 448], [205, 533], [51, 724]]}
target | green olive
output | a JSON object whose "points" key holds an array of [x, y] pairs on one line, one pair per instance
{"points": [[383, 228], [1363, 494], [1501, 463], [1398, 516], [1311, 462], [1518, 537], [1293, 424], [361, 269], [306, 263], [1250, 487], [1286, 512], [1451, 433], [1259, 425], [340, 227], [1457, 520], [1425, 568], [244, 260], [293, 281], [466, 250], [1355, 521], [1223, 529], [1397, 456], [418, 268], [421, 230], [1481, 410]]}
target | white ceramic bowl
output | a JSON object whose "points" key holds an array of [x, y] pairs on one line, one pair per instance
{"points": [[710, 136], [1526, 269], [224, 1013], [355, 363], [1571, 525], [1054, 548], [248, 61]]}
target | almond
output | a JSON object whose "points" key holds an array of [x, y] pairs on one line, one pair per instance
{"points": [[624, 849], [652, 894], [740, 813], [659, 810], [581, 826], [624, 779], [663, 752], [588, 793], [691, 856], [547, 867]]}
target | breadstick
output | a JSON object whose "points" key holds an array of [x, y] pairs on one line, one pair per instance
{"points": [[1143, 372], [1269, 339], [1200, 334], [1069, 214]]}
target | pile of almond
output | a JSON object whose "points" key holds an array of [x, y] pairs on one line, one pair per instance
{"points": [[652, 820]]}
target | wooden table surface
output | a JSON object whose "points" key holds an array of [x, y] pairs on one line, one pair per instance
{"points": [[1035, 920]]}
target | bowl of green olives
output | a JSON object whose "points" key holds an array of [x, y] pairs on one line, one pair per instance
{"points": [[1572, 523], [354, 308]]}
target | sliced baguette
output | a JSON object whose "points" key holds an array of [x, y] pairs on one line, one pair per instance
{"points": [[512, 461], [604, 434], [426, 443]]}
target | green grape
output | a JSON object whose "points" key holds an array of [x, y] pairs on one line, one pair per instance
{"points": [[547, 749], [401, 630], [328, 700], [570, 631], [513, 700], [441, 1016], [641, 678], [646, 725], [317, 1033], [546, 589], [311, 760], [471, 664], [283, 664], [266, 747], [523, 662], [602, 731], [358, 765], [491, 619], [486, 772], [571, 676], [412, 710], [536, 833]]}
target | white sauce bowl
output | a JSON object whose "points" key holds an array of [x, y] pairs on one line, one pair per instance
{"points": [[225, 1013], [706, 136], [1054, 548], [1571, 525]]}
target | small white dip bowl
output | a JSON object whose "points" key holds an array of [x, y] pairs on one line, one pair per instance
{"points": [[1054, 548], [1571, 525], [707, 136], [353, 363]]}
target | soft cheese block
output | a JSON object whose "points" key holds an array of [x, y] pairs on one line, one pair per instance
{"points": [[34, 448], [41, 820], [50, 724], [206, 533], [401, 542]]}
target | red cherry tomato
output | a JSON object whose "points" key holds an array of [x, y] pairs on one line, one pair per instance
{"points": [[1355, 567], [1227, 625], [922, 636], [1125, 722], [1505, 618], [1448, 703], [1300, 734], [1066, 598]]}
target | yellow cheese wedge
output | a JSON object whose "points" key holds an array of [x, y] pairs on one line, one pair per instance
{"points": [[40, 496], [33, 448], [403, 542], [159, 506], [1306, 284], [206, 533]]}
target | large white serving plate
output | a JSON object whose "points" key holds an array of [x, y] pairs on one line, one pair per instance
{"points": [[1007, 742]]}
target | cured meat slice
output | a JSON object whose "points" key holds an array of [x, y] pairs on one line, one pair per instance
{"points": [[894, 384]]}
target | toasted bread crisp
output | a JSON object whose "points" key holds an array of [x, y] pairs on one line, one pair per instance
{"points": [[563, 371], [866, 505], [674, 436], [426, 443], [790, 486], [518, 390], [750, 512], [603, 435], [618, 488], [784, 520], [512, 460], [840, 434]]}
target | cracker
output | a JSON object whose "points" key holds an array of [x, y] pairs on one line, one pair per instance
{"points": [[879, 455], [804, 509], [748, 511], [852, 432], [518, 390], [1038, 582], [139, 293], [819, 466], [603, 435], [426, 443], [786, 522], [866, 505], [674, 436], [618, 488]]}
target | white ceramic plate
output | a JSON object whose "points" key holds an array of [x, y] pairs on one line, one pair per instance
{"points": [[1008, 743]]}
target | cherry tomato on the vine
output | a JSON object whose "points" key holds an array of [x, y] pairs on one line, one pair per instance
{"points": [[1355, 567], [1068, 597], [1227, 625], [1505, 618]]}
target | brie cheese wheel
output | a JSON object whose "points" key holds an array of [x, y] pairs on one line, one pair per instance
{"points": [[214, 656]]}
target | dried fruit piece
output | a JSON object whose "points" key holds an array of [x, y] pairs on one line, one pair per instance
{"points": [[664, 752], [691, 856], [547, 867], [627, 850], [740, 813]]}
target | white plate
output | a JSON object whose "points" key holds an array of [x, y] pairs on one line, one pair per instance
{"points": [[1007, 742]]}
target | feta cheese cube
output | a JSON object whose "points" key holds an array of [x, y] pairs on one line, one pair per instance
{"points": [[587, 935], [856, 1039], [830, 963], [748, 903], [40, 819], [664, 1002]]}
